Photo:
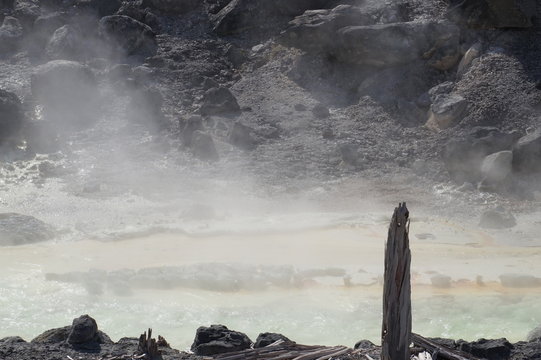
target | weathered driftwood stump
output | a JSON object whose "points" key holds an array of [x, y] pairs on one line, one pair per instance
{"points": [[148, 346], [396, 329]]}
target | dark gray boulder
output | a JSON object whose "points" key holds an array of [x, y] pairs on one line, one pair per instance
{"points": [[463, 156], [17, 229], [315, 30], [245, 15], [53, 336], [11, 34], [385, 45], [218, 339], [131, 36], [446, 111], [493, 14], [65, 43], [497, 167], [203, 147], [498, 349], [266, 339], [220, 100], [68, 92], [241, 136], [364, 344], [534, 334], [11, 115], [527, 153]]}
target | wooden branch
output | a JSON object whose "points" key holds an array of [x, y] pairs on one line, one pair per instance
{"points": [[396, 327], [440, 351]]}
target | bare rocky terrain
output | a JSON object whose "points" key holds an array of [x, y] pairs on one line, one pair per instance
{"points": [[291, 93]]}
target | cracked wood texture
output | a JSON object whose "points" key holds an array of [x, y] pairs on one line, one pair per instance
{"points": [[396, 329]]}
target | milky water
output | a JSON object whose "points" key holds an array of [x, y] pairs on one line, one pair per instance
{"points": [[120, 210]]}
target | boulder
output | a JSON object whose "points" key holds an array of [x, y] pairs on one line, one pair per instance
{"points": [[489, 14], [175, 6], [320, 111], [53, 336], [498, 349], [463, 157], [45, 25], [131, 36], [241, 136], [314, 31], [12, 340], [136, 11], [497, 218], [244, 15], [203, 147], [218, 101], [534, 334], [527, 153], [386, 45], [11, 115], [497, 167], [218, 339], [446, 111], [266, 339], [445, 88], [82, 334], [68, 92], [65, 43], [17, 229], [11, 34], [365, 345]]}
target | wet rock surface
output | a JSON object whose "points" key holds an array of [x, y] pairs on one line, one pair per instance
{"points": [[18, 229], [218, 339]]}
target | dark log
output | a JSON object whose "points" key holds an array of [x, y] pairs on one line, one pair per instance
{"points": [[396, 328], [439, 351]]}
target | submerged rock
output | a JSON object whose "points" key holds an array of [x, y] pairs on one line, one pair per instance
{"points": [[497, 219], [218, 339], [17, 229]]}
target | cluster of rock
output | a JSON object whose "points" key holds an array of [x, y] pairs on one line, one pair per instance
{"points": [[83, 337]]}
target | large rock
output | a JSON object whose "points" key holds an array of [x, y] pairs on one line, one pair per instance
{"points": [[65, 43], [380, 45], [527, 153], [131, 36], [499, 349], [11, 115], [68, 92], [463, 157], [493, 14], [243, 15], [534, 334], [218, 339], [82, 334], [315, 30], [217, 101], [446, 111], [266, 339], [17, 229], [497, 167], [175, 6], [27, 11], [241, 136], [11, 34]]}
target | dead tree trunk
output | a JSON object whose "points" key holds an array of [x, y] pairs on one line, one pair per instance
{"points": [[396, 329]]}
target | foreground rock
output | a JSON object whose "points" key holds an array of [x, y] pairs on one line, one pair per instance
{"points": [[266, 339], [218, 339], [11, 116], [17, 229], [218, 101]]}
